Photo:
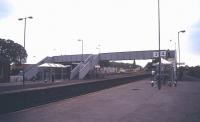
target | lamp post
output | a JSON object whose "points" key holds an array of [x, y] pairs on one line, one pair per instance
{"points": [[159, 83], [20, 19], [179, 49], [25, 18], [175, 64], [180, 72], [82, 49]]}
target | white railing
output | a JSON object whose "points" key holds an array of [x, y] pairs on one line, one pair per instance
{"points": [[83, 72], [88, 59], [91, 62], [95, 60], [75, 71]]}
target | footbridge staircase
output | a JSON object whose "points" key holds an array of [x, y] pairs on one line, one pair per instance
{"points": [[83, 68], [31, 71]]}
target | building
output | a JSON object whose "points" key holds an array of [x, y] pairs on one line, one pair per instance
{"points": [[4, 70]]}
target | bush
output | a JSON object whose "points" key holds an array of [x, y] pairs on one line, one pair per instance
{"points": [[194, 71]]}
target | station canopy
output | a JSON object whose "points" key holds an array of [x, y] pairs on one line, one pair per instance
{"points": [[53, 65], [163, 61]]}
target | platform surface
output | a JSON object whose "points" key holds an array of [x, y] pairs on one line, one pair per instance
{"points": [[133, 102]]}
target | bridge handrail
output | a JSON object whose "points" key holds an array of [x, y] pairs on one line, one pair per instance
{"points": [[88, 59], [84, 70], [75, 71], [88, 66], [40, 62], [95, 60]]}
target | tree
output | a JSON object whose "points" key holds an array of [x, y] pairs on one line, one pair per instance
{"points": [[12, 51], [104, 63], [193, 71]]}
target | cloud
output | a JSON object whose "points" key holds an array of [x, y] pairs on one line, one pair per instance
{"points": [[195, 38], [5, 8]]}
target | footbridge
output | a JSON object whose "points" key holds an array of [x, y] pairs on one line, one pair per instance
{"points": [[87, 62]]}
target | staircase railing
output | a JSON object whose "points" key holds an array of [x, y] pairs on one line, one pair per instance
{"points": [[75, 71], [83, 72], [31, 71], [91, 62]]}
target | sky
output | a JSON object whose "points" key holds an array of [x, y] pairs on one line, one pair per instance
{"points": [[115, 25]]}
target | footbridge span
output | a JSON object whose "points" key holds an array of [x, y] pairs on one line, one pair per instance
{"points": [[87, 62]]}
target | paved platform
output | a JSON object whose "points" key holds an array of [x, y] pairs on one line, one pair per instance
{"points": [[133, 102]]}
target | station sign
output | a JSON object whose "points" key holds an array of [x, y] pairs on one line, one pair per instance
{"points": [[162, 54]]}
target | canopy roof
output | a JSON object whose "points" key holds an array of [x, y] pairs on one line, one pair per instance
{"points": [[163, 61], [53, 65]]}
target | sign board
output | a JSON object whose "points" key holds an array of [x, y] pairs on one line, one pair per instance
{"points": [[155, 54], [162, 54]]}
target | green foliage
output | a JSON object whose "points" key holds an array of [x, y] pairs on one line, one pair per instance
{"points": [[12, 51], [118, 64], [194, 71], [123, 65], [105, 63]]}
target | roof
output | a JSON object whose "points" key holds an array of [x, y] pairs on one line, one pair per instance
{"points": [[163, 61]]}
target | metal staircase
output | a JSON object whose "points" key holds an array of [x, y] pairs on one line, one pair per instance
{"points": [[75, 71], [79, 72], [88, 65], [31, 71], [82, 69]]}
